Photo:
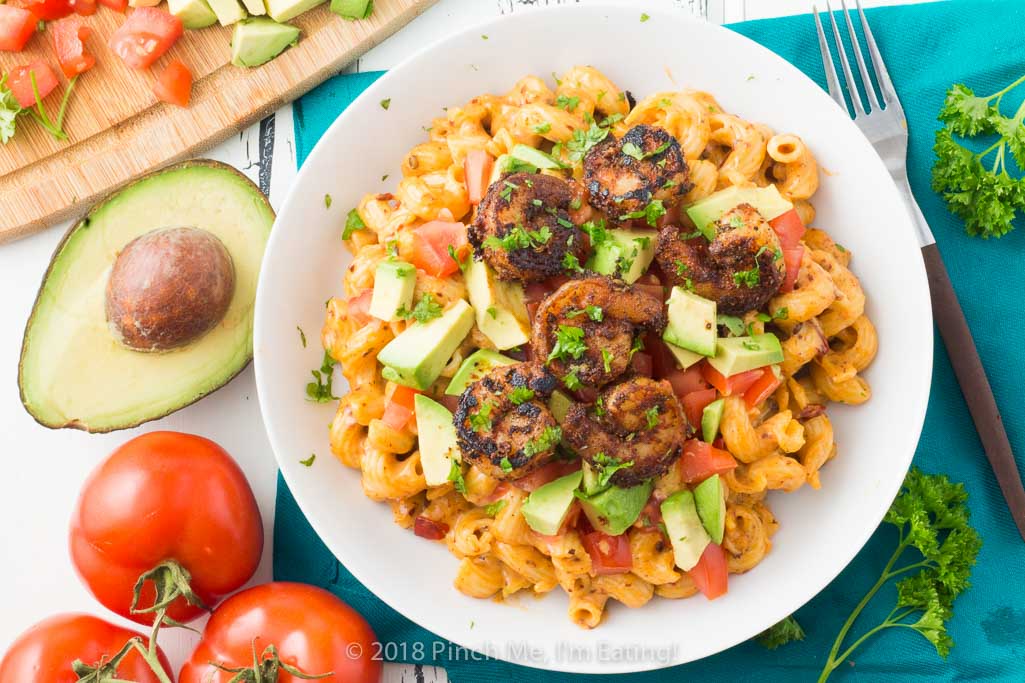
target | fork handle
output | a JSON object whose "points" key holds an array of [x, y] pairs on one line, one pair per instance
{"points": [[971, 376]]}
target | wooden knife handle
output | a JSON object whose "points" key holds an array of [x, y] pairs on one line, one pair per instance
{"points": [[974, 385]]}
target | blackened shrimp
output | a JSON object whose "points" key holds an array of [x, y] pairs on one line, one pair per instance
{"points": [[523, 229], [503, 423], [741, 269], [624, 175], [636, 426], [584, 331]]}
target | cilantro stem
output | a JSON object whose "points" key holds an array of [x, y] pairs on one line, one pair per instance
{"points": [[64, 104]]}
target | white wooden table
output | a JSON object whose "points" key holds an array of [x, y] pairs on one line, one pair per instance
{"points": [[43, 469]]}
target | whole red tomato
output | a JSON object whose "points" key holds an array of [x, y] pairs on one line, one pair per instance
{"points": [[171, 500], [45, 652], [311, 630]]}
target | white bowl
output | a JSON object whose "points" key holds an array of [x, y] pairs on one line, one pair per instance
{"points": [[820, 531]]}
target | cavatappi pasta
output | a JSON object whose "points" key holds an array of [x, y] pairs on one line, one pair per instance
{"points": [[777, 440]]}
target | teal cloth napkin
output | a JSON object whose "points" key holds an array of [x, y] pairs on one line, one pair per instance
{"points": [[927, 47]]}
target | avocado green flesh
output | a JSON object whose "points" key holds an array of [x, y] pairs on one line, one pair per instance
{"points": [[711, 505], [711, 416], [691, 322], [534, 157], [633, 247], [476, 365], [195, 14], [352, 9], [73, 373], [545, 509], [734, 355], [437, 439], [259, 40], [766, 200], [684, 528], [615, 509]]}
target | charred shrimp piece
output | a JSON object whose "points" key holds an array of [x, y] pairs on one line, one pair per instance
{"points": [[503, 423], [740, 269], [523, 230], [636, 427], [624, 175], [584, 331]]}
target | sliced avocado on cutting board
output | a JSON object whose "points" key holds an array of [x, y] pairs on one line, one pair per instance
{"points": [[109, 345]]}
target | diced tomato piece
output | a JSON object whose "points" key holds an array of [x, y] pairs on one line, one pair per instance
{"points": [[492, 497], [83, 8], [609, 554], [16, 26], [547, 473], [792, 258], [641, 364], [687, 381], [710, 574], [701, 460], [789, 228], [734, 384], [584, 213], [359, 306], [19, 80], [404, 396], [175, 84], [651, 514], [694, 405], [46, 10], [116, 5], [429, 529], [477, 171], [69, 35], [762, 388], [145, 36], [398, 409], [430, 247]]}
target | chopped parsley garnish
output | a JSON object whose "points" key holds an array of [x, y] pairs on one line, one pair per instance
{"points": [[783, 632], [537, 202], [763, 317], [319, 390], [506, 466], [665, 103], [520, 238], [464, 263], [582, 141], [308, 462], [576, 204], [520, 395], [781, 314], [650, 213], [493, 509], [596, 231], [606, 466], [606, 360], [569, 343], [385, 103], [352, 223], [637, 345], [737, 222], [327, 201], [425, 310], [644, 17], [493, 312], [391, 247], [748, 278], [549, 437], [751, 346], [681, 267], [571, 380], [651, 415], [567, 103], [543, 128], [732, 323], [595, 313], [599, 406], [843, 250], [632, 150], [481, 420], [571, 263], [455, 475], [302, 335], [507, 191], [483, 36], [692, 235]]}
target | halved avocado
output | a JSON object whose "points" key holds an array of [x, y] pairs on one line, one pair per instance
{"points": [[75, 371]]}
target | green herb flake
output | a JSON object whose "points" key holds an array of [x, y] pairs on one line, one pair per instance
{"points": [[319, 390], [569, 343], [385, 103], [543, 128], [302, 336], [651, 416], [567, 103], [520, 395], [571, 263], [781, 313], [455, 475], [493, 509], [748, 278], [732, 323], [426, 309], [545, 442], [481, 420], [572, 380], [308, 462], [644, 17], [327, 201], [605, 466], [606, 360], [352, 223], [505, 465]]}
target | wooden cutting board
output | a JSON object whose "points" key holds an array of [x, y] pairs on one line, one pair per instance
{"points": [[117, 130]]}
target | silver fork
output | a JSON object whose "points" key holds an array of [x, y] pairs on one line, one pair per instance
{"points": [[886, 128]]}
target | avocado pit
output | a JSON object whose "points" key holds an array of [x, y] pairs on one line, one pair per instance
{"points": [[169, 287]]}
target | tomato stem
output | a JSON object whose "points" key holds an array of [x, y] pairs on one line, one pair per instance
{"points": [[105, 671], [266, 668]]}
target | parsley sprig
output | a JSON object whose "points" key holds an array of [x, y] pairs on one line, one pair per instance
{"points": [[10, 109], [319, 390], [982, 192], [605, 466], [569, 343], [426, 309], [545, 442], [781, 633], [931, 516], [520, 238]]}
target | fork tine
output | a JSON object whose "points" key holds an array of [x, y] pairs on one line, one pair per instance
{"points": [[885, 84], [827, 63], [860, 59], [852, 87]]}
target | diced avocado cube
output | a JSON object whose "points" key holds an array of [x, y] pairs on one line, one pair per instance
{"points": [[499, 305], [691, 322], [416, 357], [625, 253], [684, 358], [257, 41], [437, 439], [685, 530], [545, 509], [228, 11], [589, 484], [710, 419], [352, 9], [711, 505], [505, 164], [394, 282], [615, 509], [255, 8], [194, 14], [535, 157], [734, 355], [283, 10], [559, 404], [475, 366], [766, 200]]}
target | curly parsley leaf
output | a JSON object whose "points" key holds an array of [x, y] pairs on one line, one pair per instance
{"points": [[605, 466], [781, 633], [932, 518], [9, 110], [425, 310], [352, 223], [569, 343], [545, 442], [319, 390]]}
